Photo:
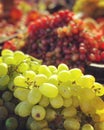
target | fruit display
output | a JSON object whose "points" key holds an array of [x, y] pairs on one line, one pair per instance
{"points": [[61, 38], [47, 97], [89, 7]]}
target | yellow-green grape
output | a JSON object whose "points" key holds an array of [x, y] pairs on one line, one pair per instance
{"points": [[53, 79], [39, 125], [75, 74], [23, 67], [63, 76], [11, 123], [16, 110], [57, 102], [67, 102], [38, 112], [20, 81], [9, 60], [49, 90], [34, 66], [99, 126], [44, 101], [69, 112], [62, 67], [34, 96], [40, 79], [87, 127], [3, 69], [23, 109], [71, 124], [75, 101], [4, 80], [19, 56], [6, 52], [86, 106], [98, 89], [65, 92], [29, 75], [35, 126], [43, 69], [7, 96], [86, 81], [50, 114], [21, 93], [53, 69], [86, 93]]}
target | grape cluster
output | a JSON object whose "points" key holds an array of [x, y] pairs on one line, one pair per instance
{"points": [[51, 98], [10, 64], [61, 38]]}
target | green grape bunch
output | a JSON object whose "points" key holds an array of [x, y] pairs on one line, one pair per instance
{"points": [[49, 97]]}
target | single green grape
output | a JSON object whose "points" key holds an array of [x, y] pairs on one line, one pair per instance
{"points": [[38, 112], [71, 124], [24, 109], [65, 92], [6, 52], [87, 93], [57, 102], [34, 96], [53, 79], [63, 76], [19, 56], [44, 101], [75, 74], [20, 81], [69, 112], [87, 127], [67, 102], [7, 96], [40, 79], [4, 80], [3, 69], [43, 69], [62, 66], [23, 67], [30, 75], [86, 81], [49, 90], [21, 93], [9, 60], [34, 66], [53, 69], [75, 101], [11, 123], [50, 114]]}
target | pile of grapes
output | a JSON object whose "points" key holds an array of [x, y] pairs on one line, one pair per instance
{"points": [[89, 7], [47, 97], [61, 38]]}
